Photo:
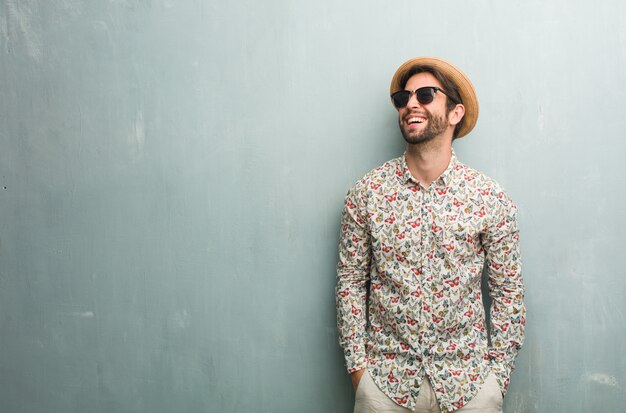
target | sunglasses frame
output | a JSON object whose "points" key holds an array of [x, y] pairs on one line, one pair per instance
{"points": [[433, 90]]}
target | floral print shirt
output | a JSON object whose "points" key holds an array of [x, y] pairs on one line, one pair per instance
{"points": [[409, 301]]}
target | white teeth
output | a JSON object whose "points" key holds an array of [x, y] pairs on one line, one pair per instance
{"points": [[415, 120]]}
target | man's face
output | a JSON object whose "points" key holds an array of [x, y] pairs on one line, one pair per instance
{"points": [[422, 123]]}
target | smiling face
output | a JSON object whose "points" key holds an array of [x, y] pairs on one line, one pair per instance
{"points": [[423, 123]]}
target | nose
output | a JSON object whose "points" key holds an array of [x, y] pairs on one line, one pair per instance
{"points": [[413, 102]]}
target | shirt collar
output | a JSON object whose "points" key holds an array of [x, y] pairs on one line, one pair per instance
{"points": [[405, 176]]}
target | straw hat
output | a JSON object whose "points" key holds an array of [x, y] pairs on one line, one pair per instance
{"points": [[462, 82]]}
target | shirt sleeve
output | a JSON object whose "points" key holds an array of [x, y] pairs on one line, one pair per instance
{"points": [[506, 288], [352, 276]]}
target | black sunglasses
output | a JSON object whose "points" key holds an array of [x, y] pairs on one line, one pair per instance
{"points": [[424, 96]]}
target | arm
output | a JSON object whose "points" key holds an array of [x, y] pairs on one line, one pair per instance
{"points": [[501, 243], [352, 275]]}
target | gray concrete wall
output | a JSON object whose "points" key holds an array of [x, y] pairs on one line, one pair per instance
{"points": [[172, 175]]}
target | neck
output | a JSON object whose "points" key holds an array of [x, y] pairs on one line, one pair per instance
{"points": [[428, 160]]}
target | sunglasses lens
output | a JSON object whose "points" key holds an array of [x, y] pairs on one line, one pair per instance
{"points": [[401, 98], [425, 95]]}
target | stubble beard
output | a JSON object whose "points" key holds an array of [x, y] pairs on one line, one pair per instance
{"points": [[436, 126]]}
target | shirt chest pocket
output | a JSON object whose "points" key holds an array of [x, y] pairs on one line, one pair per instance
{"points": [[458, 236]]}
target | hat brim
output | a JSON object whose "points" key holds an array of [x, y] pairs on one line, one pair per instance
{"points": [[464, 86]]}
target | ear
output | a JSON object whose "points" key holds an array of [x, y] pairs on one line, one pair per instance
{"points": [[456, 114]]}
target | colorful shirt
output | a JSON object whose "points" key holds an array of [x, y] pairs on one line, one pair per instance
{"points": [[409, 301]]}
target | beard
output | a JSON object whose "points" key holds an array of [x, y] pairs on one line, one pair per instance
{"points": [[436, 126]]}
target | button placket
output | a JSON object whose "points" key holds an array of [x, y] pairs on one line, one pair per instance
{"points": [[427, 221]]}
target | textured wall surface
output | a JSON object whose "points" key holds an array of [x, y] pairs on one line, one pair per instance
{"points": [[172, 174]]}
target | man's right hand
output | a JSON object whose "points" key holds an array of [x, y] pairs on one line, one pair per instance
{"points": [[356, 378]]}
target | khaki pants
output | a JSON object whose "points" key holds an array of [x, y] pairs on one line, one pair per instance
{"points": [[370, 399]]}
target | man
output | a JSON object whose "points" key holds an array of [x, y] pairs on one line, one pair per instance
{"points": [[415, 235]]}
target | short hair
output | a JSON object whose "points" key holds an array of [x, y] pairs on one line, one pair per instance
{"points": [[448, 86]]}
